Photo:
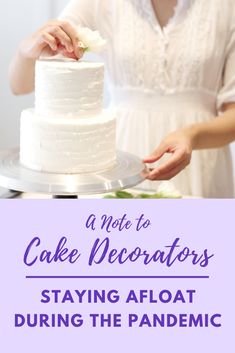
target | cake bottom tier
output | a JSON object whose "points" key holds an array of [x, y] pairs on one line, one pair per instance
{"points": [[67, 145]]}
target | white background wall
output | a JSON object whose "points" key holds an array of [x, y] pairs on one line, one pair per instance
{"points": [[59, 5], [19, 19]]}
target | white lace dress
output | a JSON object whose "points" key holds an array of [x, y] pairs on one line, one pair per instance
{"points": [[164, 79]]}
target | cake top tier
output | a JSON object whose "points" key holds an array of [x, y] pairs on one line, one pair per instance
{"points": [[68, 87]]}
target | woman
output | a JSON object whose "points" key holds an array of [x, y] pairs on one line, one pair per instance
{"points": [[171, 68]]}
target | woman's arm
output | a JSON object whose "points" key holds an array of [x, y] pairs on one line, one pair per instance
{"points": [[54, 37], [218, 132], [213, 134], [21, 74]]}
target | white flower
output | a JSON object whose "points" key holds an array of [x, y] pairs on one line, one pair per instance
{"points": [[168, 189], [90, 40]]}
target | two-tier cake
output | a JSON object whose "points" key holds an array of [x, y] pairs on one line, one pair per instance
{"points": [[68, 131]]}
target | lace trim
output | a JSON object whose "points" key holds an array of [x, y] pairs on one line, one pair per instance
{"points": [[182, 7], [199, 28], [167, 76], [181, 10], [132, 46], [135, 59]]}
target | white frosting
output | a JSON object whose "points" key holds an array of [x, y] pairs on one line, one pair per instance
{"points": [[68, 132], [67, 145], [68, 87]]}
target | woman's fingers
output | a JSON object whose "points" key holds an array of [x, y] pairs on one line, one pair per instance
{"points": [[43, 45], [180, 145], [179, 156], [177, 162], [156, 155], [62, 37], [156, 175], [172, 173], [55, 36], [72, 33], [48, 39], [66, 36], [65, 53]]}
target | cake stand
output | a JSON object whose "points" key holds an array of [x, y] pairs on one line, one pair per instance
{"points": [[128, 172]]}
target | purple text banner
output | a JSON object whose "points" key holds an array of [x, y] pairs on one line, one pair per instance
{"points": [[117, 275]]}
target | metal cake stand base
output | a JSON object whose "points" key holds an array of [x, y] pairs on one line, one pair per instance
{"points": [[128, 172]]}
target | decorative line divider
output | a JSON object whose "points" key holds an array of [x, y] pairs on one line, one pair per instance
{"points": [[117, 277]]}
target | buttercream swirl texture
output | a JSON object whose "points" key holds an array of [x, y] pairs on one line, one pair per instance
{"points": [[68, 87], [68, 131]]}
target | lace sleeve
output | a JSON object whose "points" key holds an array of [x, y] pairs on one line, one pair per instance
{"points": [[227, 92], [81, 12]]}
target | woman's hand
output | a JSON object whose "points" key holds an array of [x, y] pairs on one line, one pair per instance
{"points": [[53, 38], [180, 145]]}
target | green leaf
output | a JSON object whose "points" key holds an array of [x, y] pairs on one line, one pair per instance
{"points": [[124, 195]]}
